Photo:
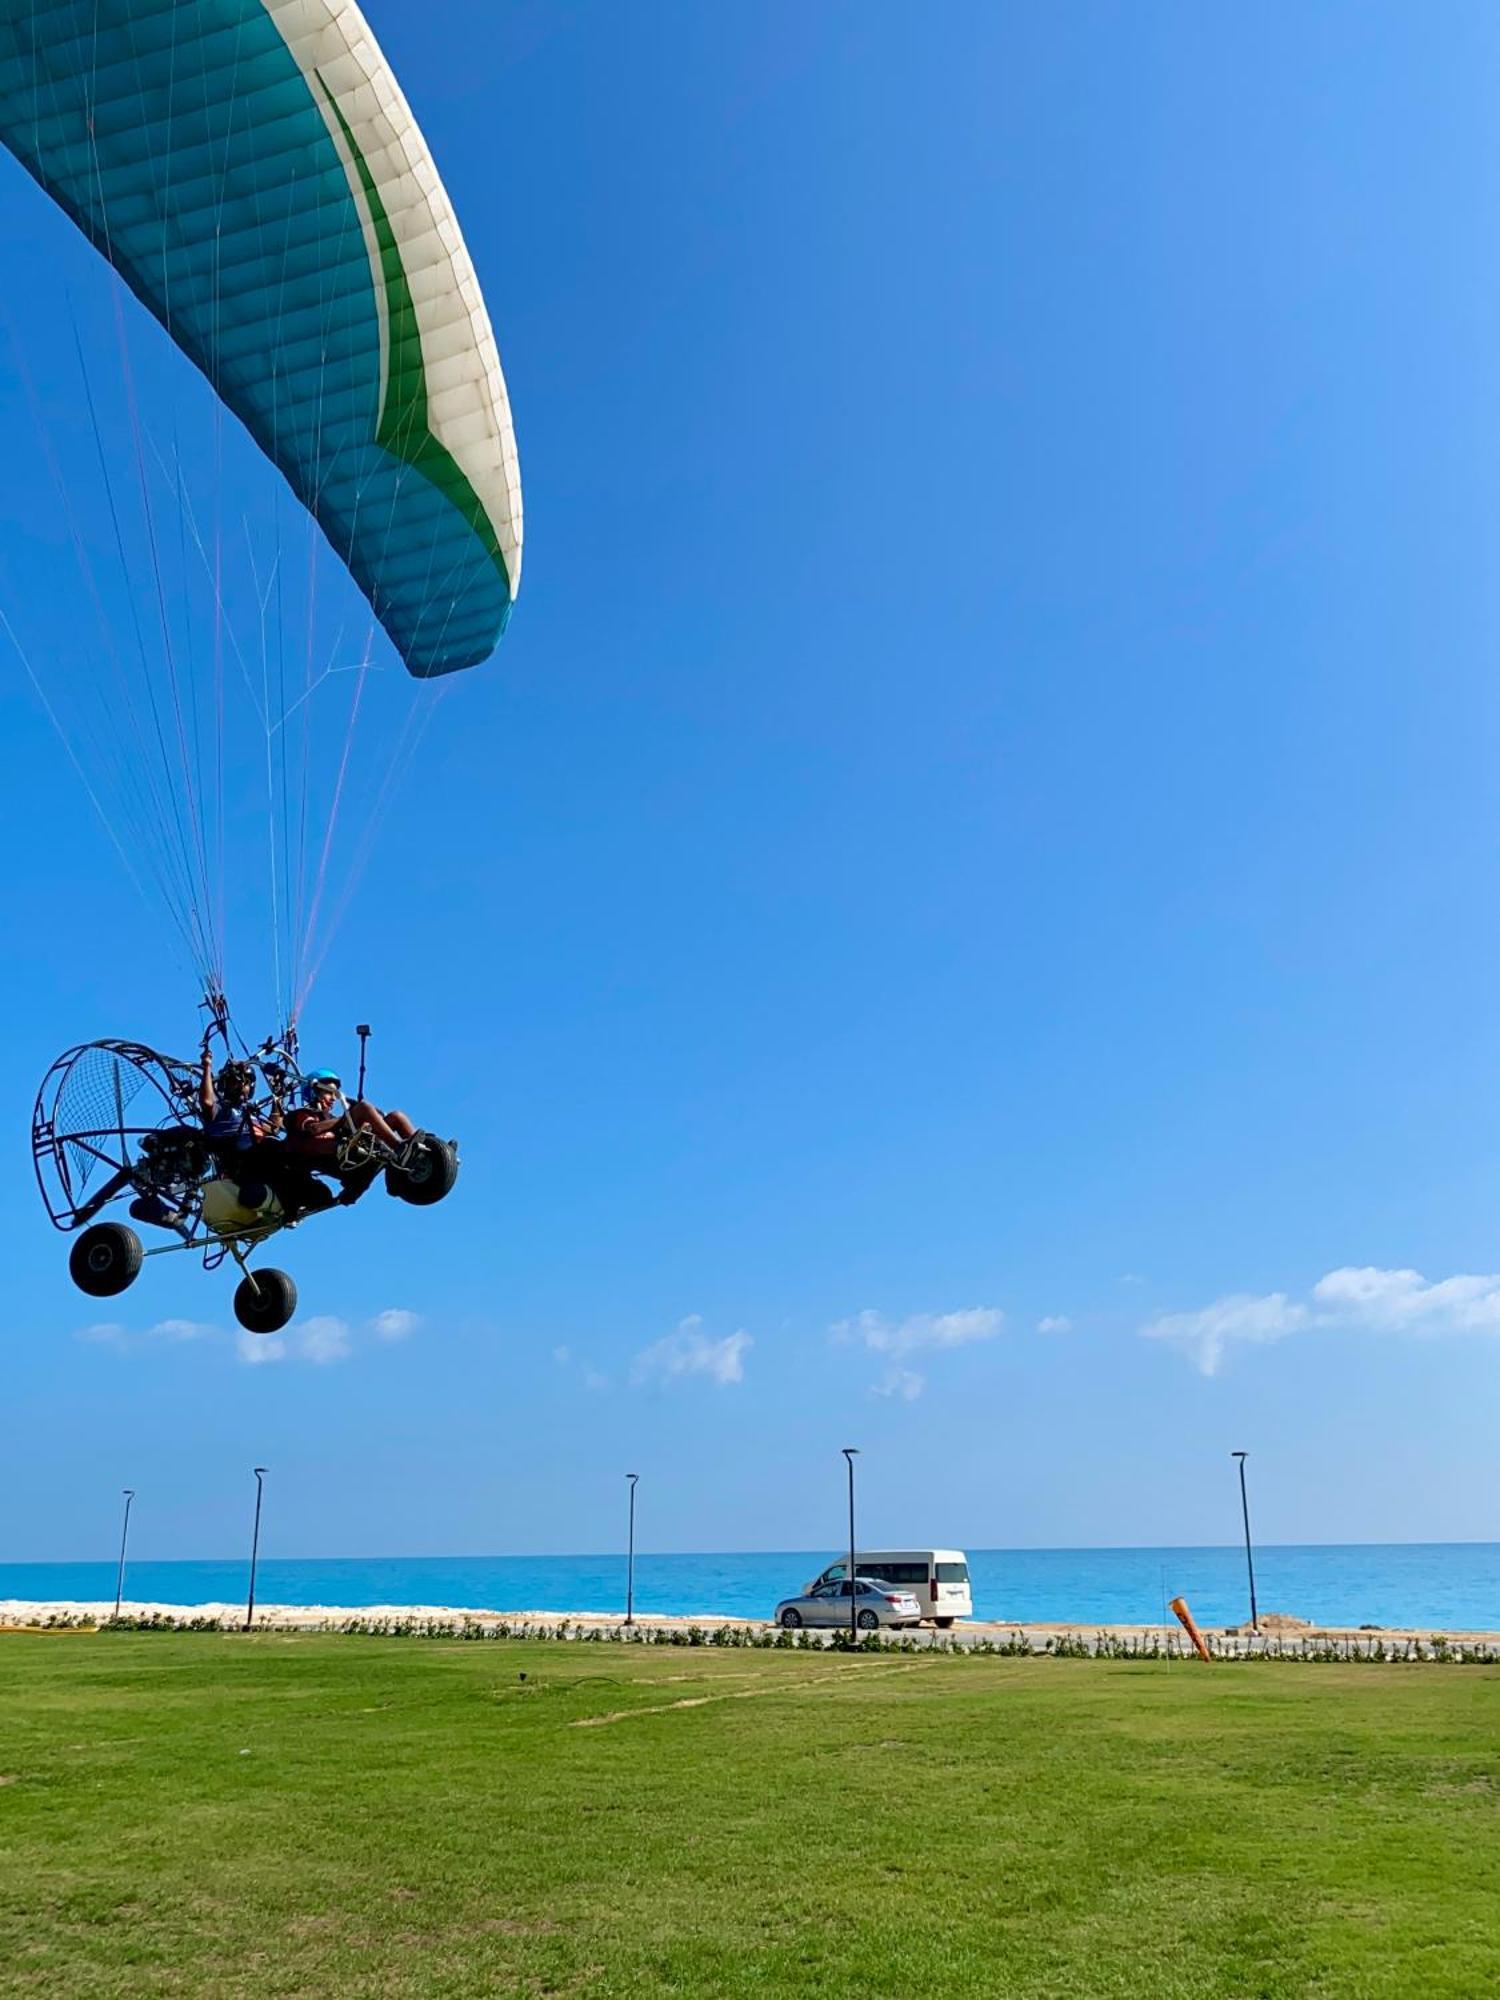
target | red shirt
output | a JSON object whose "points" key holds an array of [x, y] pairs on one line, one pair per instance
{"points": [[303, 1138]]}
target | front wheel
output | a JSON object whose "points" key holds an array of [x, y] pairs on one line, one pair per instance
{"points": [[429, 1172], [866, 1620], [264, 1301], [790, 1619], [105, 1259]]}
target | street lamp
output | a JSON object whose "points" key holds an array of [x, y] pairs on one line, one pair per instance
{"points": [[851, 1452], [1249, 1556], [630, 1558], [124, 1531], [260, 1474]]}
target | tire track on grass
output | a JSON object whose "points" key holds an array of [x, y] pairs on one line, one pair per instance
{"points": [[732, 1694]]}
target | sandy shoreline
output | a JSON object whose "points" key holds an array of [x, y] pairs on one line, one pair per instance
{"points": [[29, 1614]]}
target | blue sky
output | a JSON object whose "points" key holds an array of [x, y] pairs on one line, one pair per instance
{"points": [[985, 816]]}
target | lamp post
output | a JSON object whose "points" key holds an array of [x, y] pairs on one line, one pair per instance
{"points": [[1249, 1555], [124, 1532], [630, 1557], [851, 1452], [260, 1474]]}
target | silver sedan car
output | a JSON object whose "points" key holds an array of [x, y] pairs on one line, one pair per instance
{"points": [[876, 1604]]}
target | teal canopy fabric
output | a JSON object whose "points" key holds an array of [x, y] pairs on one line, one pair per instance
{"points": [[252, 171]]}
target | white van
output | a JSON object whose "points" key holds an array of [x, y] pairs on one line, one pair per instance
{"points": [[937, 1578]]}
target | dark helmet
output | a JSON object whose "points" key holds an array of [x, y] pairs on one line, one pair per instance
{"points": [[235, 1082]]}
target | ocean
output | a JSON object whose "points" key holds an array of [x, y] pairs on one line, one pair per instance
{"points": [[1438, 1585]]}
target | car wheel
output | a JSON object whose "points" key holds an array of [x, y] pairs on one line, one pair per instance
{"points": [[790, 1619], [943, 1624], [867, 1620]]}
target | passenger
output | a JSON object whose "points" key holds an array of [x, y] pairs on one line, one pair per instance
{"points": [[315, 1131], [316, 1128]]}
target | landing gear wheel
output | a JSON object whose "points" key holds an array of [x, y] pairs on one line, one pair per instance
{"points": [[429, 1172], [264, 1301], [866, 1620], [790, 1620], [105, 1259]]}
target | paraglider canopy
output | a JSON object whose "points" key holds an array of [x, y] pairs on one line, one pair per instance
{"points": [[253, 172]]}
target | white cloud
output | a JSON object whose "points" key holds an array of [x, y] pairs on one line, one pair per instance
{"points": [[132, 1339], [1404, 1301], [255, 1348], [320, 1340], [919, 1333], [1205, 1335], [395, 1323], [904, 1383], [327, 1337], [922, 1330], [323, 1338], [590, 1376], [689, 1352], [1054, 1323], [1363, 1299]]}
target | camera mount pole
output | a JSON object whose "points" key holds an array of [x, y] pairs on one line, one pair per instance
{"points": [[363, 1031]]}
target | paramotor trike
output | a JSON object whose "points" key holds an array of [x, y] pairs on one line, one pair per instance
{"points": [[116, 1120]]}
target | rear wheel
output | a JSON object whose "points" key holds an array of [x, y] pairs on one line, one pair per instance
{"points": [[429, 1174], [866, 1620], [264, 1301], [790, 1619], [943, 1624], [105, 1259]]}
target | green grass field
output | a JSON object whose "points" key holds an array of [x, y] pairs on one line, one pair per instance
{"points": [[300, 1815]]}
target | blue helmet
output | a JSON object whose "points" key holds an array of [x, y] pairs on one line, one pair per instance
{"points": [[317, 1082]]}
